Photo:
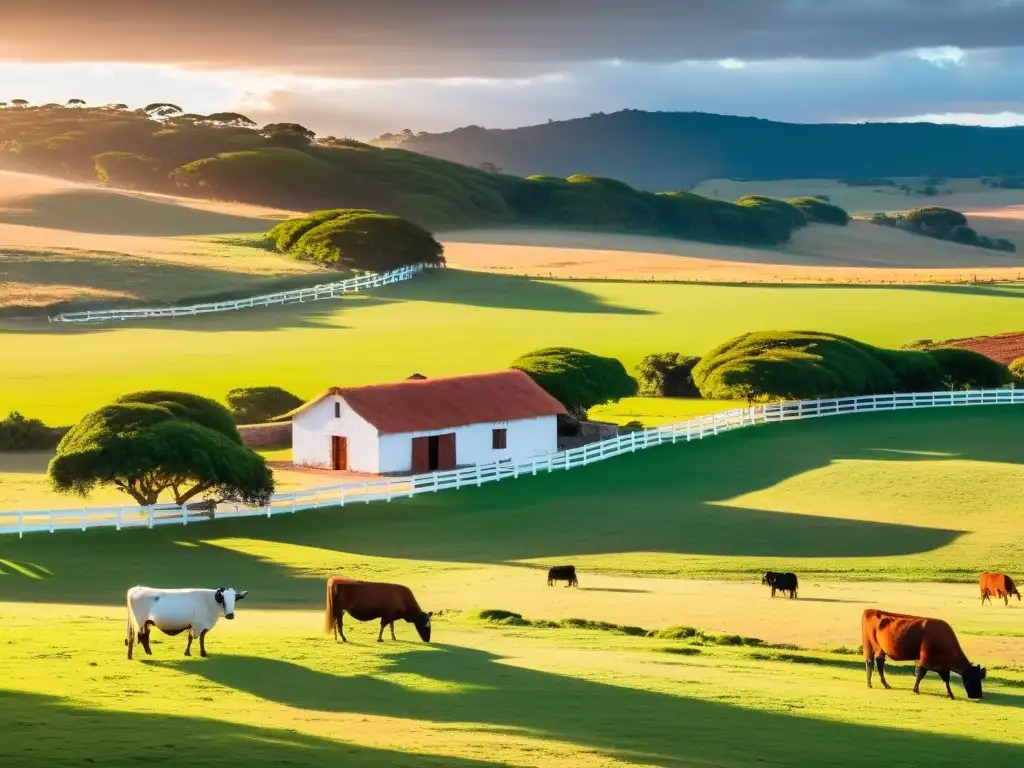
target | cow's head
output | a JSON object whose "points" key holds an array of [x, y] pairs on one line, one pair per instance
{"points": [[972, 677], [768, 578], [422, 624], [227, 597]]}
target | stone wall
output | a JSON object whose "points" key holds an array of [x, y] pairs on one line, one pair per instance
{"points": [[262, 435]]}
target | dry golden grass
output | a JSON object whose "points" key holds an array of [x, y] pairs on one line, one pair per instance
{"points": [[61, 241], [963, 195], [858, 253]]}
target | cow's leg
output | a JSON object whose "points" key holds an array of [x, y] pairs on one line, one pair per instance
{"points": [[773, 591], [130, 641], [340, 627], [188, 648], [919, 672], [202, 643], [984, 596], [144, 640], [944, 674], [1006, 599], [881, 670], [392, 625], [869, 666], [380, 635]]}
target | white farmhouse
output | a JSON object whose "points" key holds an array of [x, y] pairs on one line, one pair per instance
{"points": [[426, 424]]}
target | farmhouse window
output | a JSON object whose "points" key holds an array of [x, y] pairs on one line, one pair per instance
{"points": [[337, 410], [499, 439]]}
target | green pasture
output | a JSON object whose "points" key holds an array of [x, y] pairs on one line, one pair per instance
{"points": [[902, 496], [887, 497], [450, 322]]}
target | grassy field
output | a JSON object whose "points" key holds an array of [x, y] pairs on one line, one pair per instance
{"points": [[451, 322], [860, 253], [856, 505], [61, 241]]}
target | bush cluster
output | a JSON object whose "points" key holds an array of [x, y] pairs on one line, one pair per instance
{"points": [[258, 405], [942, 224], [799, 365], [357, 239], [18, 433], [667, 374]]}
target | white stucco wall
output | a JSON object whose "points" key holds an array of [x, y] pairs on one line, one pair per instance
{"points": [[311, 437], [526, 438]]}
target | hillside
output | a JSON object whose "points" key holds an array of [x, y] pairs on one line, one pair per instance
{"points": [[225, 156], [670, 150]]}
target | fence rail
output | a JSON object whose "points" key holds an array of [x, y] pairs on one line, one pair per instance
{"points": [[26, 521], [297, 296]]}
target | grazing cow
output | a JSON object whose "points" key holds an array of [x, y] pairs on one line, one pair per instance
{"points": [[566, 573], [173, 611], [930, 643], [998, 584], [368, 600], [783, 582]]}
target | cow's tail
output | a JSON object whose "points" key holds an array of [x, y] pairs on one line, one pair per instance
{"points": [[796, 585], [330, 620], [129, 638]]}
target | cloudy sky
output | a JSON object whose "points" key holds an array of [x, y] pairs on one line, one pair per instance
{"points": [[361, 68]]}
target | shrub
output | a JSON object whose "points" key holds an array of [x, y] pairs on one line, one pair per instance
{"points": [[357, 239], [256, 405], [939, 219], [577, 379], [18, 433], [963, 234], [791, 214], [820, 211], [128, 170], [1016, 369], [667, 374], [966, 369]]}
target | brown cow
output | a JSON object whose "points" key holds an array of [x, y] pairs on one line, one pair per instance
{"points": [[930, 643], [998, 584], [368, 600]]}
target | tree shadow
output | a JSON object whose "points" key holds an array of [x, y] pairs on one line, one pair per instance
{"points": [[625, 723], [121, 739], [672, 499], [100, 212]]}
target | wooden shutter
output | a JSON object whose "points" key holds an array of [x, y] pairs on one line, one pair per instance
{"points": [[446, 451]]}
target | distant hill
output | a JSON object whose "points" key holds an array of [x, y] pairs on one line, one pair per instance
{"points": [[226, 156], [671, 150]]}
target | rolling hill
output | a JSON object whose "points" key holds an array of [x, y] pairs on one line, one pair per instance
{"points": [[671, 150]]}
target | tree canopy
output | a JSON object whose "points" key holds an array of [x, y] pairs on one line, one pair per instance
{"points": [[151, 443], [257, 405], [799, 365], [358, 239], [667, 374], [576, 378]]}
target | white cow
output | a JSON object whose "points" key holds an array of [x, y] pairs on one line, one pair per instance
{"points": [[173, 611]]}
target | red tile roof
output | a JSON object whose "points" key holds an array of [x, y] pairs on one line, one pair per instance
{"points": [[420, 405]]}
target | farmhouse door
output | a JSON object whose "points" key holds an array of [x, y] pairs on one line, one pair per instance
{"points": [[420, 455], [446, 451], [339, 452]]}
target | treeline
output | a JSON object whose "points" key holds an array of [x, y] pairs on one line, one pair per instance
{"points": [[942, 224], [227, 156], [667, 150]]}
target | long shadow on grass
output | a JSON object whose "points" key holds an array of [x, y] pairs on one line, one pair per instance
{"points": [[629, 724], [107, 213], [672, 499], [31, 724]]}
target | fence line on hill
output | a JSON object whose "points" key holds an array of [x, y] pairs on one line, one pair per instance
{"points": [[25, 521], [281, 298]]}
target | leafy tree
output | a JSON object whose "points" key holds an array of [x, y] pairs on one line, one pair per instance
{"points": [[577, 379], [1017, 370], [257, 405], [162, 109], [150, 443], [822, 211], [359, 239], [18, 433], [76, 103], [230, 118], [940, 219], [667, 374], [19, 102], [288, 135]]}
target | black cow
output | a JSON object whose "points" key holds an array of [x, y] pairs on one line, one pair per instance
{"points": [[783, 582], [563, 573]]}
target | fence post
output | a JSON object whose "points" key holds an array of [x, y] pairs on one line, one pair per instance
{"points": [[293, 503], [387, 489], [51, 521], [149, 515], [534, 465], [316, 499], [184, 514], [478, 480], [366, 492], [21, 523], [435, 482], [341, 494]]}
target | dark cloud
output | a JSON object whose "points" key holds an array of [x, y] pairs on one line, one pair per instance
{"points": [[445, 38]]}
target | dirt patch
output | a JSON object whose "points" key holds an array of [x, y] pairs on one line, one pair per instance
{"points": [[1003, 348]]}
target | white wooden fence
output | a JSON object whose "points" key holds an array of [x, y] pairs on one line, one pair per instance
{"points": [[297, 296], [24, 521]]}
